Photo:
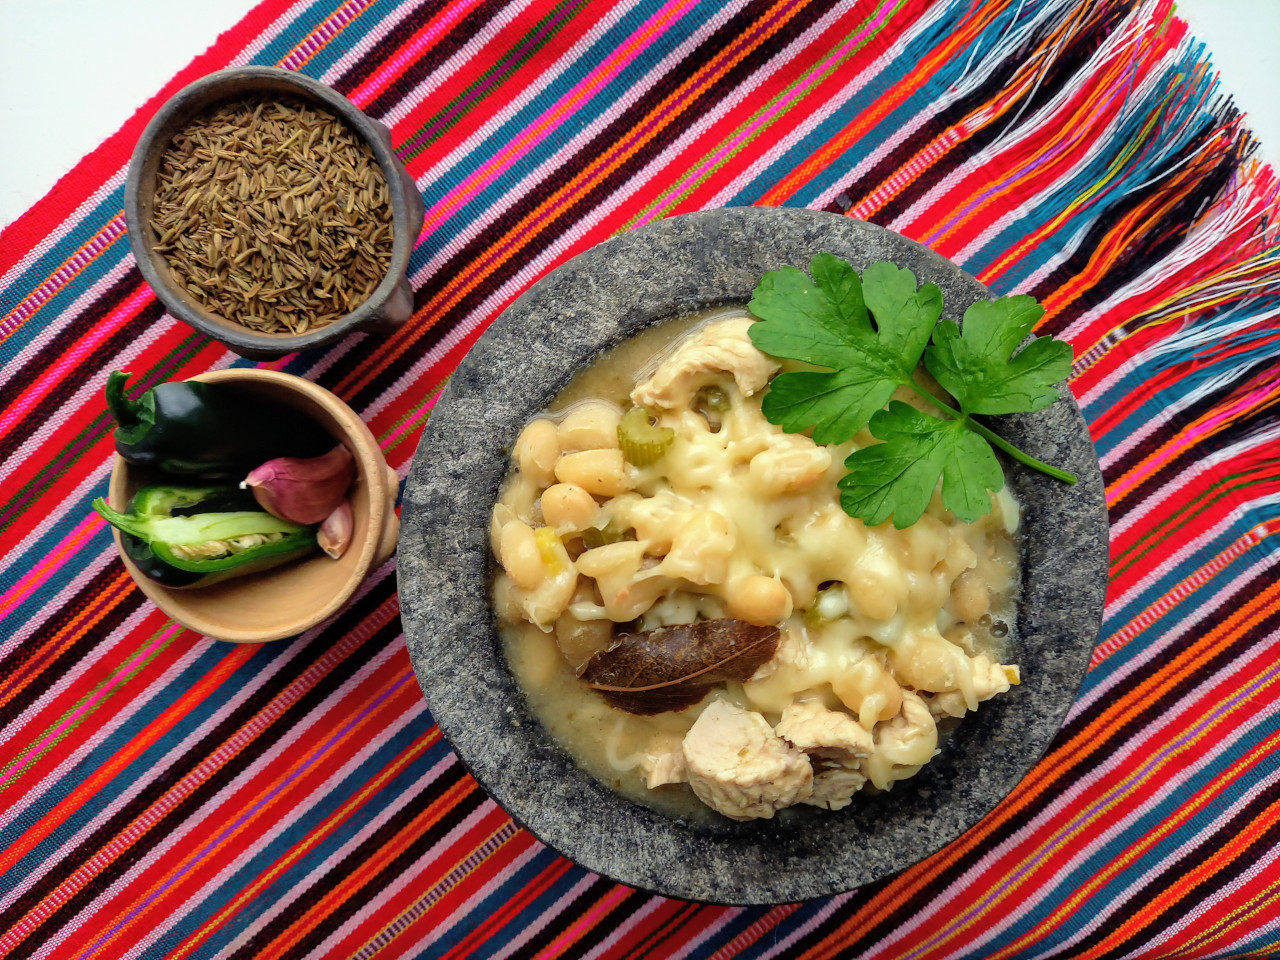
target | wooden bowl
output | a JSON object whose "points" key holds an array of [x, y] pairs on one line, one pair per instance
{"points": [[389, 306], [285, 601]]}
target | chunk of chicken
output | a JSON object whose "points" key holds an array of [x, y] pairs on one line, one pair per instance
{"points": [[663, 761], [722, 347], [738, 766], [700, 549], [902, 745], [812, 727], [836, 745], [989, 679]]}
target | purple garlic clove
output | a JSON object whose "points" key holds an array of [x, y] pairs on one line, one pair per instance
{"points": [[334, 535], [304, 491]]}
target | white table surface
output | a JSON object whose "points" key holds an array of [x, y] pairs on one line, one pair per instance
{"points": [[73, 71]]}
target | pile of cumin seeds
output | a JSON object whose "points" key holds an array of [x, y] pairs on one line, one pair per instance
{"points": [[273, 214]]}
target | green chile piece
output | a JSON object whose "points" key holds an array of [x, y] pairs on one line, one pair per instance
{"points": [[161, 517], [216, 431]]}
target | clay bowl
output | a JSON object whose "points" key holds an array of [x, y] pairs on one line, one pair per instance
{"points": [[287, 600], [390, 305], [674, 267]]}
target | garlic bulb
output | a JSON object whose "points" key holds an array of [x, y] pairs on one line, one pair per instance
{"points": [[334, 535], [304, 491]]}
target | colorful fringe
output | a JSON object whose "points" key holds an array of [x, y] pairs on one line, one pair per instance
{"points": [[162, 795]]}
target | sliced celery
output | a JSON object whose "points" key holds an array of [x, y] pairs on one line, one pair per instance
{"points": [[643, 443]]}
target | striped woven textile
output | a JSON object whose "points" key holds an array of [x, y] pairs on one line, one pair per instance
{"points": [[165, 795]]}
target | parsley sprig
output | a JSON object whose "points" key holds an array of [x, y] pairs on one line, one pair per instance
{"points": [[868, 334]]}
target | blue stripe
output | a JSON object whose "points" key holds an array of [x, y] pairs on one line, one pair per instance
{"points": [[533, 912], [1176, 132], [602, 47], [491, 904], [118, 740], [356, 31], [297, 31], [1152, 589], [879, 86], [1163, 803], [46, 321], [266, 857]]}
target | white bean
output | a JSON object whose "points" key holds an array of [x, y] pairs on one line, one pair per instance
{"points": [[518, 550], [537, 450], [592, 425], [599, 472], [758, 599], [567, 506], [969, 596]]}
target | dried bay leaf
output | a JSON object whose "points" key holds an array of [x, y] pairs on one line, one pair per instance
{"points": [[671, 668]]}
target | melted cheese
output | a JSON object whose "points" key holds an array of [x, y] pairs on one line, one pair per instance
{"points": [[734, 499]]}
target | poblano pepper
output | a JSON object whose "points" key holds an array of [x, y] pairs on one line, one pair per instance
{"points": [[197, 536], [216, 431]]}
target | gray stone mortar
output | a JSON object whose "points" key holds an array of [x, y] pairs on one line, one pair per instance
{"points": [[625, 284]]}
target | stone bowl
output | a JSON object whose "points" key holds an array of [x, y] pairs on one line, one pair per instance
{"points": [[390, 304], [673, 267], [284, 601]]}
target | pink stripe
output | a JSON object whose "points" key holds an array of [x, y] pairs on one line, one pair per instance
{"points": [[782, 948], [1185, 439], [556, 114], [86, 528], [172, 797], [259, 805], [195, 737], [768, 116], [443, 850], [1174, 597], [606, 945], [97, 697], [755, 931], [361, 47], [425, 38], [20, 796], [89, 344], [62, 276], [158, 688], [517, 942], [1191, 847], [911, 171], [59, 232], [1118, 88], [1172, 636], [440, 926], [586, 921], [280, 825], [1093, 823], [412, 423], [324, 33]]}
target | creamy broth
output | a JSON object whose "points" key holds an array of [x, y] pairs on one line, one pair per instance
{"points": [[874, 623]]}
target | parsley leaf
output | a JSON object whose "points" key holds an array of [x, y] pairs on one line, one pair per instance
{"points": [[824, 322], [869, 333], [897, 478], [978, 368]]}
